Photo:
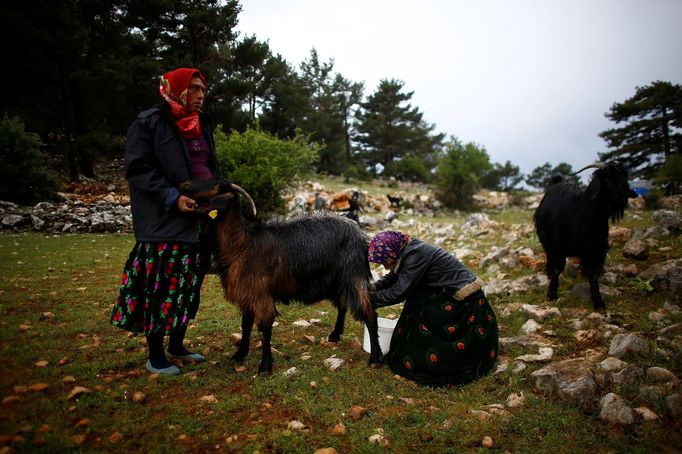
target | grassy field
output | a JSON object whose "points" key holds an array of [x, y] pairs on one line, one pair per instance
{"points": [[56, 297]]}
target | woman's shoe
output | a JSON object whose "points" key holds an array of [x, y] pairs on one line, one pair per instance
{"points": [[170, 370], [196, 357]]}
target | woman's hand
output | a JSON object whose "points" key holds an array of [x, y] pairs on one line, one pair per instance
{"points": [[185, 204]]}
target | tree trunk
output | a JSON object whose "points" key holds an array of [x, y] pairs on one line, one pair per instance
{"points": [[84, 155]]}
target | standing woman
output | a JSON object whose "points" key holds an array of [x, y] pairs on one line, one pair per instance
{"points": [[447, 333], [167, 145]]}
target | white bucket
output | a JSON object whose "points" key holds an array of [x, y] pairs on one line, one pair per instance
{"points": [[386, 327]]}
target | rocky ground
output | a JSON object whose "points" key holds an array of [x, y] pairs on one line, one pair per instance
{"points": [[609, 353]]}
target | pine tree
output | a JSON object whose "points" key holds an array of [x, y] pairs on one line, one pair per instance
{"points": [[651, 133], [389, 128]]}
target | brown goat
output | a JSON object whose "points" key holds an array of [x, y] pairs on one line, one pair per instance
{"points": [[308, 259]]}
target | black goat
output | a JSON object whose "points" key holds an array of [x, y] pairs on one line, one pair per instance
{"points": [[394, 201], [574, 223], [308, 259]]}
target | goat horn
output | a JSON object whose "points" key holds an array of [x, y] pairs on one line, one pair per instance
{"points": [[596, 165], [247, 196]]}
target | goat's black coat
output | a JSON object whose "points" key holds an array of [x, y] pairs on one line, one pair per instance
{"points": [[308, 258], [574, 223]]}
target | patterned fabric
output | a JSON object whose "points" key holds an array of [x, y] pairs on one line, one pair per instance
{"points": [[173, 89], [160, 287], [439, 341], [386, 247]]}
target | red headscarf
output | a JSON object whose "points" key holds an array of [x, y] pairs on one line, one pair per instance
{"points": [[173, 88]]}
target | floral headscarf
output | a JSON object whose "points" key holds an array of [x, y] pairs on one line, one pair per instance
{"points": [[386, 247], [173, 89]]}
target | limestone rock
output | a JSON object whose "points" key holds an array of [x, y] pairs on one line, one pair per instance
{"points": [[571, 380], [615, 411], [631, 344]]}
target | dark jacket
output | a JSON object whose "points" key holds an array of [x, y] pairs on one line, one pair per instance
{"points": [[421, 266], [156, 162]]}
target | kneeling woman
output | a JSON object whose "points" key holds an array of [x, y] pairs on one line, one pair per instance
{"points": [[447, 333]]}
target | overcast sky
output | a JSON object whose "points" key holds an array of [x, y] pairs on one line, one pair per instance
{"points": [[529, 80]]}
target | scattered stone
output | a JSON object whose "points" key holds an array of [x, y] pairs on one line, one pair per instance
{"points": [[498, 410], [612, 364], [629, 345], [540, 313], [290, 372], [646, 414], [333, 363], [481, 415], [659, 375], [487, 442], [296, 425], [515, 400], [674, 405], [571, 379], [629, 375], [636, 249], [339, 429], [326, 451], [668, 219], [139, 397], [531, 326], [615, 411], [301, 323], [545, 354], [651, 393], [357, 413], [588, 337], [210, 399], [526, 341], [380, 440], [518, 367]]}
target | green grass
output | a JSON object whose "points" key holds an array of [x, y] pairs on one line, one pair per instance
{"points": [[56, 299]]}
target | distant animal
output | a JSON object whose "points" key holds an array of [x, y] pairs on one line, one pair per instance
{"points": [[394, 201], [574, 223], [320, 202], [354, 207], [308, 258]]}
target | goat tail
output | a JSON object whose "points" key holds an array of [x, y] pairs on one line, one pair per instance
{"points": [[358, 301]]}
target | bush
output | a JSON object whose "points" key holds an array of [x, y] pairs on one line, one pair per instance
{"points": [[24, 178], [669, 176], [356, 172], [409, 168], [264, 165], [457, 179]]}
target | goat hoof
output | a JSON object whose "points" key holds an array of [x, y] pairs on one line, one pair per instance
{"points": [[238, 358], [333, 338], [376, 365], [264, 373]]}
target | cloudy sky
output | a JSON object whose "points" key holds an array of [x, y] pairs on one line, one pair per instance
{"points": [[530, 80]]}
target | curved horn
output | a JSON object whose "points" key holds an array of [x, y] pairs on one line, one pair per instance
{"points": [[596, 165], [247, 196]]}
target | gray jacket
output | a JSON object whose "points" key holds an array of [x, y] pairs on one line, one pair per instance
{"points": [[421, 265]]}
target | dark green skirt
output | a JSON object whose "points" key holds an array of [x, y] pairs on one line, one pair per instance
{"points": [[439, 341]]}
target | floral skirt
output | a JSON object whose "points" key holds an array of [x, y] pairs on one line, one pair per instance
{"points": [[160, 287], [439, 341]]}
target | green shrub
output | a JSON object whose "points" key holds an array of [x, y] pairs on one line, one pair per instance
{"points": [[458, 174], [355, 172], [24, 177], [652, 201], [409, 168], [264, 165]]}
